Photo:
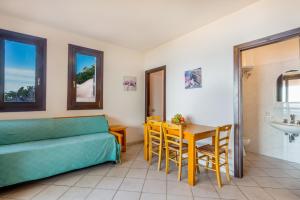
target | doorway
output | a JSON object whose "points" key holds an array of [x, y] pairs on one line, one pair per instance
{"points": [[155, 92], [238, 91]]}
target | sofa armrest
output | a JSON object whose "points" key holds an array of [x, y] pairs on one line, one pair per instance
{"points": [[118, 136]]}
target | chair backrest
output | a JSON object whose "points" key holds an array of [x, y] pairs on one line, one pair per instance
{"points": [[156, 118], [154, 129], [222, 137], [173, 134]]}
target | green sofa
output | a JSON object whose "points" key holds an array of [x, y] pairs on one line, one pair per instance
{"points": [[38, 148]]}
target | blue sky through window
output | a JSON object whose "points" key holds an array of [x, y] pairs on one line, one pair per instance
{"points": [[84, 61], [20, 64]]}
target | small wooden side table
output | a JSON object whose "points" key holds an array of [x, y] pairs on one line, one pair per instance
{"points": [[122, 130]]}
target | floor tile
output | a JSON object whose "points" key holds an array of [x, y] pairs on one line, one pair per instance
{"points": [[132, 184], [137, 173], [245, 181], [179, 188], [118, 172], [230, 192], [293, 173], [267, 182], [156, 175], [205, 190], [224, 180], [260, 164], [150, 196], [289, 183], [250, 156], [125, 164], [125, 195], [255, 193], [68, 179], [277, 173], [155, 186], [281, 194], [101, 194], [128, 157], [173, 175], [254, 172], [53, 192], [140, 156], [154, 165], [281, 165], [100, 170], [178, 197], [25, 192], [296, 192], [88, 181], [112, 183], [140, 164], [76, 193]]}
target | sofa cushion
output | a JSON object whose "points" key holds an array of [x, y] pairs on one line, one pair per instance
{"points": [[38, 159], [18, 131]]}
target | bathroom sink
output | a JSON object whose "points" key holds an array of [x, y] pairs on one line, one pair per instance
{"points": [[286, 127]]}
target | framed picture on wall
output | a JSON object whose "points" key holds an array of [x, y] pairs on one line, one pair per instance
{"points": [[129, 83], [193, 78]]}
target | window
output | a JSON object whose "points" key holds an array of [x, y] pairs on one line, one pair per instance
{"points": [[22, 72], [85, 85]]}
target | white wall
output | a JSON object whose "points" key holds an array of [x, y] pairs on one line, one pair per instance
{"points": [[122, 107], [259, 99], [211, 47]]}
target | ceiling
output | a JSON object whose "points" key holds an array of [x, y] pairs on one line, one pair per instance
{"points": [[136, 24]]}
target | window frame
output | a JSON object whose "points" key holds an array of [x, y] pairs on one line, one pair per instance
{"points": [[40, 72], [72, 104]]}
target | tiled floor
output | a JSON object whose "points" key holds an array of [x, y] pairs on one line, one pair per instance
{"points": [[265, 178]]}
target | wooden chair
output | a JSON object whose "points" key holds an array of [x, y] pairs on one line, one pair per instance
{"points": [[217, 154], [155, 134], [175, 148], [155, 118]]}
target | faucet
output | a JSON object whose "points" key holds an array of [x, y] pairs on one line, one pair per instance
{"points": [[293, 118]]}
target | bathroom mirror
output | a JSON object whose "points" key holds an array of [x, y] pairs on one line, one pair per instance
{"points": [[288, 86]]}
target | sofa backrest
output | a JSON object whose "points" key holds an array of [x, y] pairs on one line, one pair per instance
{"points": [[19, 131]]}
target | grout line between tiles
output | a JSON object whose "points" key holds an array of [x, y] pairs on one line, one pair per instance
{"points": [[144, 183], [40, 192], [117, 190]]}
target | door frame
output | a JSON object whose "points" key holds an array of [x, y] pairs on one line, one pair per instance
{"points": [[147, 89], [238, 97]]}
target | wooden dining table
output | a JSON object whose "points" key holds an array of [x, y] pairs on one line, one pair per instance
{"points": [[191, 133]]}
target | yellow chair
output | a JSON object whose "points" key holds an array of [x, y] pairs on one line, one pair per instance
{"points": [[217, 154], [155, 118], [155, 134], [175, 148]]}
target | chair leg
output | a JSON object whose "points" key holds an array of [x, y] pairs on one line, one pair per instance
{"points": [[218, 173], [227, 167], [176, 156], [207, 162], [159, 156], [180, 166], [150, 152], [197, 164], [167, 160]]}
